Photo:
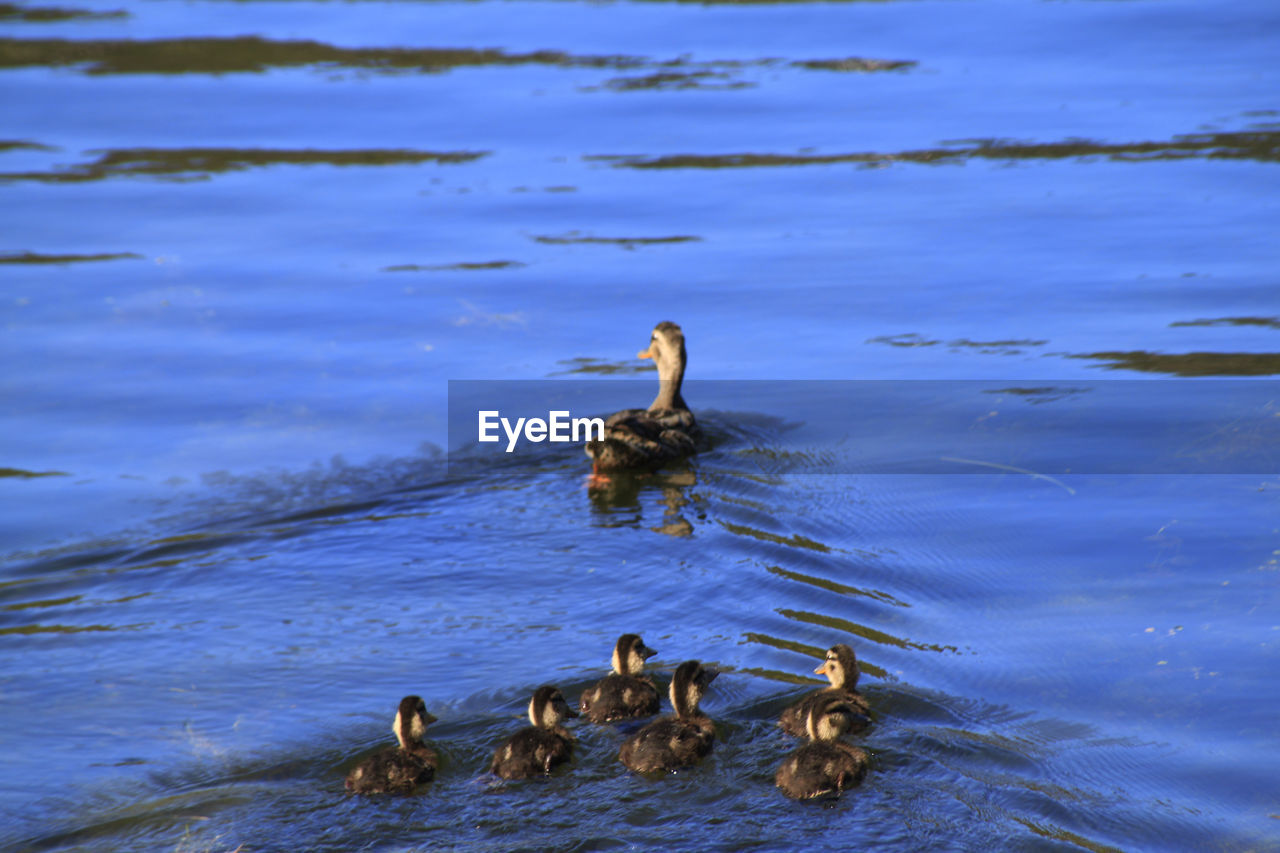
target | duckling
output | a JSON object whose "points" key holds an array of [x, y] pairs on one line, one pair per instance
{"points": [[841, 668], [681, 739], [625, 693], [399, 769], [825, 764], [645, 439], [538, 748]]}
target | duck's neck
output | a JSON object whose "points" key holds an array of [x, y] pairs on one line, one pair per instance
{"points": [[668, 397], [670, 378], [404, 733], [685, 706]]}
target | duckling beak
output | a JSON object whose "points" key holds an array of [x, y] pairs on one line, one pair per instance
{"points": [[646, 652], [708, 676], [429, 717], [822, 670], [645, 353], [569, 712]]}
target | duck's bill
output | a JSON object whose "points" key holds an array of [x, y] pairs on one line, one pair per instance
{"points": [[644, 353]]}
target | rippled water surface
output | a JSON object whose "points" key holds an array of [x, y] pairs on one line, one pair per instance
{"points": [[254, 255]]}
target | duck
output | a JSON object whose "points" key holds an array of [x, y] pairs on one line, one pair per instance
{"points": [[402, 768], [537, 749], [826, 764], [645, 439], [625, 693], [841, 669], [681, 739]]}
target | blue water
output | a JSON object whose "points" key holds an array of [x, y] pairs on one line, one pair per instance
{"points": [[1022, 256]]}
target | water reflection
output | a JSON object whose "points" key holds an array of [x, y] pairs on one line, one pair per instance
{"points": [[201, 163], [618, 500], [255, 54], [573, 238], [1191, 363], [1260, 145], [466, 266], [37, 258], [1264, 322], [54, 14]]}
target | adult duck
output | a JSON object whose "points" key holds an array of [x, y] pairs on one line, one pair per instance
{"points": [[645, 439]]}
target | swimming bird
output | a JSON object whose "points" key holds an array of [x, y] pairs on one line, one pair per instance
{"points": [[645, 439], [625, 693], [680, 739], [841, 668], [399, 769], [825, 764], [538, 748]]}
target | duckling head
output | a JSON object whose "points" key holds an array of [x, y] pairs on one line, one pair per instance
{"points": [[548, 707], [688, 686], [666, 348], [630, 654], [840, 667], [412, 719], [830, 719]]}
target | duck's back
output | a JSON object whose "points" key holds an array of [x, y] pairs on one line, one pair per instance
{"points": [[532, 751], [821, 767], [392, 771], [620, 697], [793, 718], [639, 438], [668, 743]]}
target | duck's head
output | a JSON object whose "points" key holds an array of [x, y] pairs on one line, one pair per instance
{"points": [[666, 348], [830, 719], [840, 667], [548, 707], [688, 685], [630, 654], [412, 719]]}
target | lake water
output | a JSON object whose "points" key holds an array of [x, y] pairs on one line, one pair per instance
{"points": [[983, 315]]}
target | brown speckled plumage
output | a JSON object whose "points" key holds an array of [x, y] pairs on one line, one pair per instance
{"points": [[645, 439], [626, 693], [824, 765], [681, 739], [539, 748], [821, 767], [841, 667], [398, 769]]}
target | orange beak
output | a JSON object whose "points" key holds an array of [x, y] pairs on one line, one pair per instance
{"points": [[822, 670], [644, 354]]}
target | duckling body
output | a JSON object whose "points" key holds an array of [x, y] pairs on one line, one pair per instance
{"points": [[824, 765], [645, 439], [821, 767], [681, 739], [841, 667], [399, 769], [626, 693], [540, 747]]}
